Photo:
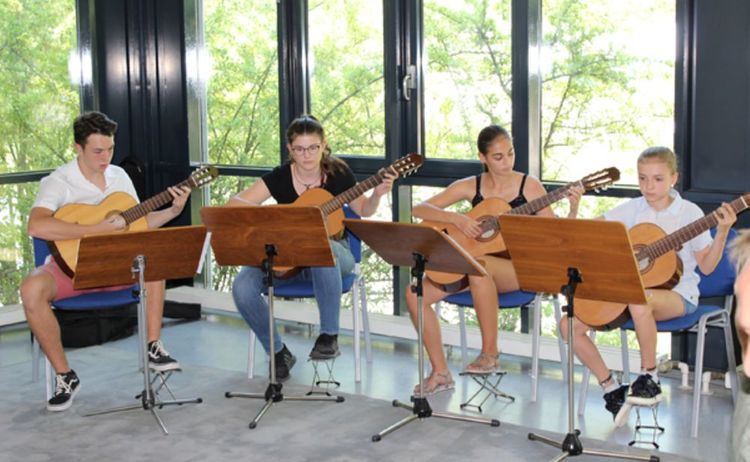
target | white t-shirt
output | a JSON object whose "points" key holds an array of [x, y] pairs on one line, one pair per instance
{"points": [[67, 185], [680, 212]]}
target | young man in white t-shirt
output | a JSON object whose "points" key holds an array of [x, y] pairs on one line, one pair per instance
{"points": [[659, 204], [87, 179]]}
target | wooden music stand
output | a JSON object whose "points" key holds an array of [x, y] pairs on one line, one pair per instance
{"points": [[267, 236], [115, 258], [421, 247], [555, 255]]}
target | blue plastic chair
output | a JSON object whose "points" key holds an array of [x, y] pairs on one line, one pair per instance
{"points": [[353, 283], [720, 283], [89, 301], [514, 299]]}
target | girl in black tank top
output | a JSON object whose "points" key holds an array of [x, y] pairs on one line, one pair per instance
{"points": [[519, 200]]}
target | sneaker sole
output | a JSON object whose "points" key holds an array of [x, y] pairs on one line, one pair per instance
{"points": [[164, 367], [641, 401], [321, 356], [66, 405]]}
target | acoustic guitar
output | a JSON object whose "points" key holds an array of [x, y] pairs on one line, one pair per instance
{"points": [[332, 207], [65, 251], [490, 241], [658, 262]]}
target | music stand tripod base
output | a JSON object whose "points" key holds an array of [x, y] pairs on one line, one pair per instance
{"points": [[564, 253], [264, 237], [118, 258]]}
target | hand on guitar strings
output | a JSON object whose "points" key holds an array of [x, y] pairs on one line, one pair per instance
{"points": [[385, 187], [574, 194], [468, 225], [114, 223], [179, 198], [725, 216]]}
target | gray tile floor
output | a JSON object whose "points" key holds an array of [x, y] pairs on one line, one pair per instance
{"points": [[221, 342]]}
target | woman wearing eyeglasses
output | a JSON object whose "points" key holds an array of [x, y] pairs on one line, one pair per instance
{"points": [[310, 165]]}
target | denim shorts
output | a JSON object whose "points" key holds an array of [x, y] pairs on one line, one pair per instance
{"points": [[690, 307]]}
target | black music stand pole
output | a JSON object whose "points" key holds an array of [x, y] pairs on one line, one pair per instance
{"points": [[590, 258], [422, 247], [116, 259], [265, 237]]}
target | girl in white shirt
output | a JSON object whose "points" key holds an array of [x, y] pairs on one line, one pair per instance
{"points": [[662, 205]]}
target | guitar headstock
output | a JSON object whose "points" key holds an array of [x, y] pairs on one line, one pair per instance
{"points": [[203, 176], [407, 164], [601, 179]]}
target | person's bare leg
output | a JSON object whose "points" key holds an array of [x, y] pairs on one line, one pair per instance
{"points": [[154, 308], [38, 289], [431, 335], [662, 305], [585, 349]]}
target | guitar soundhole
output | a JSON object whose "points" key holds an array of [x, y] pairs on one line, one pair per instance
{"points": [[489, 229], [645, 263]]}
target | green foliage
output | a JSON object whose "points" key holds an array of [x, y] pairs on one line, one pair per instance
{"points": [[468, 79], [602, 54], [346, 82], [36, 111]]}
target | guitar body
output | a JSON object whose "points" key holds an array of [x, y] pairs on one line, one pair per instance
{"points": [[489, 243], [332, 207], [65, 251], [334, 223], [662, 273], [319, 196]]}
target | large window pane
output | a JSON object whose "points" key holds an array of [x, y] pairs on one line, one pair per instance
{"points": [[468, 73], [608, 84], [39, 102], [243, 103], [346, 74], [16, 254]]}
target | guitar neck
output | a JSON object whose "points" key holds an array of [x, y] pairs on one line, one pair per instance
{"points": [[674, 240], [352, 193], [539, 203], [136, 212]]}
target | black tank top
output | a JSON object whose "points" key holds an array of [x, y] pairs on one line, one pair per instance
{"points": [[519, 200]]}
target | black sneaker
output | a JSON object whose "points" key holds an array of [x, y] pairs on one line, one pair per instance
{"points": [[326, 347], [66, 388], [159, 359], [644, 390], [284, 360], [614, 400]]}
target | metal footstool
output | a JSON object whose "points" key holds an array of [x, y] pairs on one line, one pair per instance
{"points": [[488, 386]]}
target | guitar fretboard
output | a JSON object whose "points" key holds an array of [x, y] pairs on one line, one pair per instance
{"points": [[352, 193], [548, 199], [134, 213], [674, 240]]}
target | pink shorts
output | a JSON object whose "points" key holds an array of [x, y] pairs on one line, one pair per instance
{"points": [[65, 284]]}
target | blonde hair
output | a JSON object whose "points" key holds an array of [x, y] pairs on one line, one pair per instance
{"points": [[660, 154], [739, 249]]}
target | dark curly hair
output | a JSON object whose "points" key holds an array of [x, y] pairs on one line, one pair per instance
{"points": [[90, 123]]}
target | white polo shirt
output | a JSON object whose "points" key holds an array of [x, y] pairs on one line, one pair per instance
{"points": [[680, 212], [67, 185]]}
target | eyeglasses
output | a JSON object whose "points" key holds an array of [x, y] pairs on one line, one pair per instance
{"points": [[312, 149]]}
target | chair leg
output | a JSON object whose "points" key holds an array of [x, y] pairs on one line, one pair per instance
{"points": [[585, 381], [365, 319], [535, 335], [731, 360], [625, 356], [697, 375], [462, 323], [356, 331], [34, 359], [560, 340], [48, 376], [251, 354]]}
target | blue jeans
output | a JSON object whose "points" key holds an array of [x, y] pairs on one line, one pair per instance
{"points": [[248, 287]]}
